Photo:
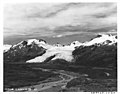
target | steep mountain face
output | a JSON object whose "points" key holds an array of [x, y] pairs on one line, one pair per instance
{"points": [[24, 51], [102, 56], [99, 51]]}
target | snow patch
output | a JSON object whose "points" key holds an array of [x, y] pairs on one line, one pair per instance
{"points": [[6, 47]]}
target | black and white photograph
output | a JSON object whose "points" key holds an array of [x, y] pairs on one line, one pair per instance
{"points": [[60, 47]]}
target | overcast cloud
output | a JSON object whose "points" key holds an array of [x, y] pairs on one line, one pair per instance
{"points": [[58, 19]]}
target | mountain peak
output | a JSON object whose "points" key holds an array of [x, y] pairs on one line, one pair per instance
{"points": [[75, 43], [102, 39], [30, 41]]}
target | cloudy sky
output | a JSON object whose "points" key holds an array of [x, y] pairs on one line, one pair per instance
{"points": [[58, 22]]}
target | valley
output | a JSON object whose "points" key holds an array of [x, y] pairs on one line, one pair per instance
{"points": [[63, 78]]}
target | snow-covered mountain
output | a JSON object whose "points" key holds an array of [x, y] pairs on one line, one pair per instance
{"points": [[33, 47], [25, 50], [6, 47], [58, 52], [65, 52], [39, 43], [102, 39]]}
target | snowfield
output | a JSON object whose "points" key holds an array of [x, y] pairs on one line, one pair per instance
{"points": [[59, 52], [101, 39]]}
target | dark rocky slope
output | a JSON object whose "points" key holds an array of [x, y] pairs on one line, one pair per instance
{"points": [[96, 56], [23, 52]]}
